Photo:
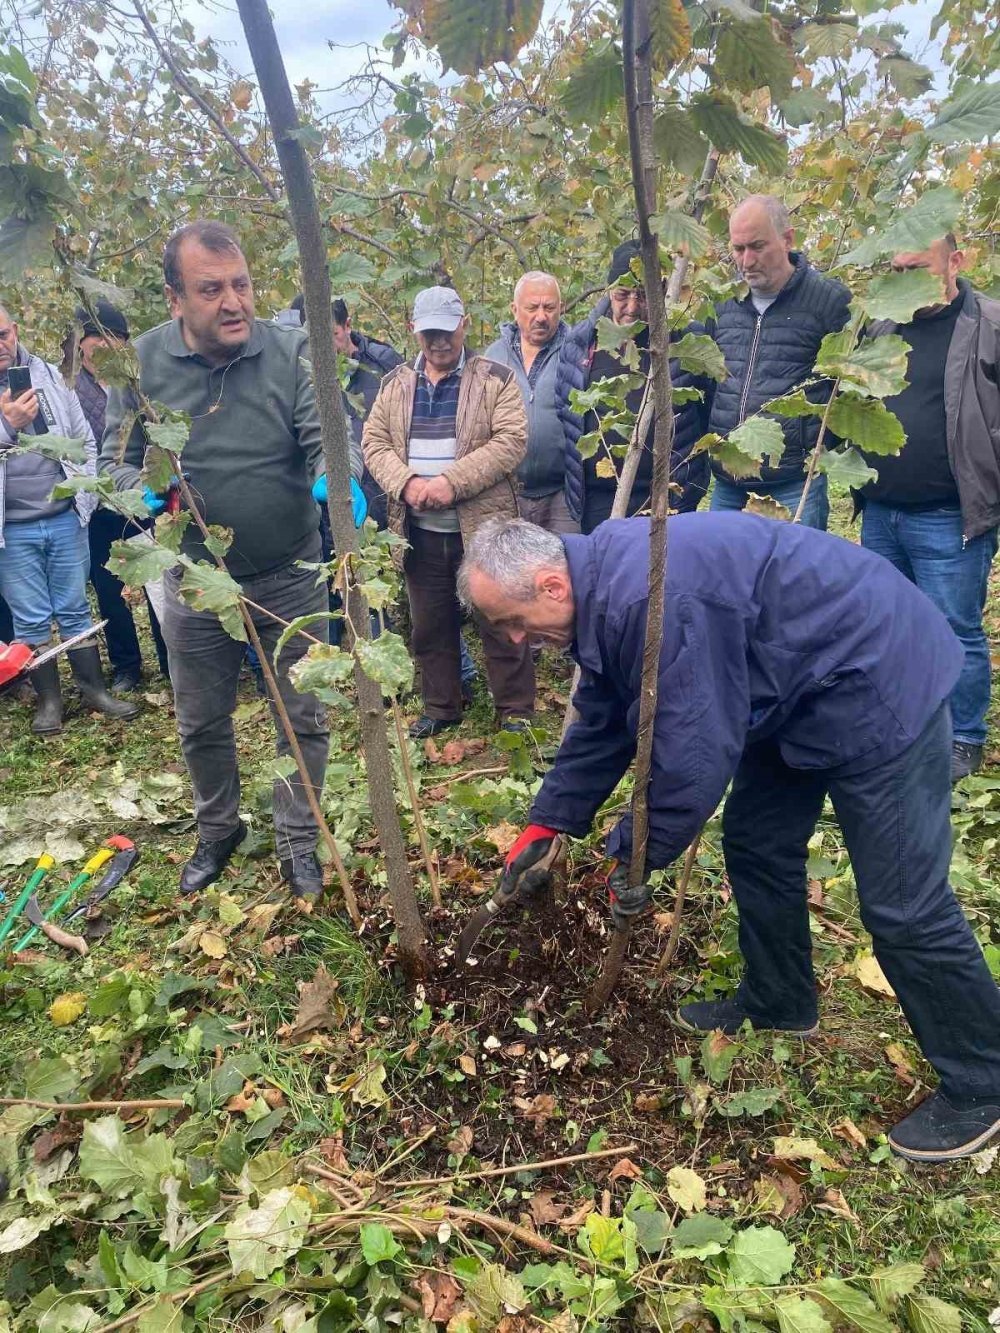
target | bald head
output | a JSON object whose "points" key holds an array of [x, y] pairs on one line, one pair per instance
{"points": [[537, 307], [761, 239]]}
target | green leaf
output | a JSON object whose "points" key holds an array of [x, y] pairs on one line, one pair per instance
{"points": [[469, 34], [120, 1163], [758, 438], [728, 456], [760, 1257], [54, 447], [700, 1237], [68, 1314], [205, 588], [386, 661], [800, 1314], [261, 1239], [595, 87], [147, 1274], [877, 368], [720, 120], [677, 141], [671, 29], [219, 540], [928, 1314], [907, 76], [157, 472], [378, 1244], [301, 623], [169, 529], [610, 337], [896, 296], [349, 270], [827, 41], [805, 105], [170, 435], [968, 117], [793, 405], [602, 1239], [26, 243], [687, 1189], [321, 670], [166, 1316], [750, 56], [699, 354], [853, 1306], [652, 1229], [889, 1285], [24, 1230], [49, 1080], [680, 231], [866, 422], [912, 229], [752, 1101], [717, 1053], [846, 467]]}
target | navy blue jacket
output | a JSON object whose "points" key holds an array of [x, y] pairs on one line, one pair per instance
{"points": [[771, 630], [573, 372], [374, 359], [543, 471], [769, 354]]}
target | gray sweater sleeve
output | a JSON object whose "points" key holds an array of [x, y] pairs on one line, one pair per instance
{"points": [[122, 405]]}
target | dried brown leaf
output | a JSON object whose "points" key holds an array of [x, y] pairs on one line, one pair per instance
{"points": [[319, 1007], [544, 1210], [578, 1216], [48, 1143], [648, 1102], [834, 1202], [467, 1065], [624, 1169], [212, 943], [502, 836], [901, 1066], [439, 1294], [537, 1109], [332, 1151], [460, 1142], [780, 1195], [241, 1102], [847, 1130]]}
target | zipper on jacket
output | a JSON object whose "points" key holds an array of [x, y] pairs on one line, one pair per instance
{"points": [[750, 365]]}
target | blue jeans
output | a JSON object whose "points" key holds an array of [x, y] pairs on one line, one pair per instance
{"points": [[43, 577], [896, 820], [730, 495], [929, 548]]}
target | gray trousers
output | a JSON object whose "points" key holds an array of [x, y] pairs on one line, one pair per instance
{"points": [[549, 512], [204, 669]]}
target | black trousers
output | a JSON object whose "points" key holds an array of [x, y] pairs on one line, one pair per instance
{"points": [[104, 528], [896, 821]]}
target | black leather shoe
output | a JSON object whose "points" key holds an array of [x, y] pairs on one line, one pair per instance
{"points": [[966, 759], [124, 682], [515, 723], [728, 1016], [431, 726], [940, 1130], [305, 875], [210, 859]]}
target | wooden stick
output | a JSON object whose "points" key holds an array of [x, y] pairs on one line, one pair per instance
{"points": [[179, 1298], [490, 1172], [140, 1104], [675, 926], [411, 788]]}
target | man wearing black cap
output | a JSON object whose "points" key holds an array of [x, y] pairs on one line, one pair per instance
{"points": [[591, 481], [105, 326]]}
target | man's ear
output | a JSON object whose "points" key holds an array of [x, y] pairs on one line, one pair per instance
{"points": [[172, 299], [956, 260], [467, 321]]}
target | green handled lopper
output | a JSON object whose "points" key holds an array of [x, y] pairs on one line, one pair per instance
{"points": [[100, 858], [42, 867]]}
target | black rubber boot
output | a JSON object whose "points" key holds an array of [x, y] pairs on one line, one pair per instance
{"points": [[86, 665], [48, 713]]}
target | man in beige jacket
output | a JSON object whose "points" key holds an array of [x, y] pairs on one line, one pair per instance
{"points": [[443, 439]]}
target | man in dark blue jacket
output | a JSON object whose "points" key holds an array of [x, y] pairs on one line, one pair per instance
{"points": [[591, 482], [770, 339], [788, 667]]}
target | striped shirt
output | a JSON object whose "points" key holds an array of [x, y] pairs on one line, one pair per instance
{"points": [[432, 443]]}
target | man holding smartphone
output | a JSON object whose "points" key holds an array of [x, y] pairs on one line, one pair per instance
{"points": [[43, 542]]}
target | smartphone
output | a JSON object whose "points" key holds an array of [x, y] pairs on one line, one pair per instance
{"points": [[18, 380]]}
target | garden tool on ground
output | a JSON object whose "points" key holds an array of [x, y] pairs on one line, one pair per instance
{"points": [[519, 883], [126, 855], [40, 919], [42, 867], [33, 911]]}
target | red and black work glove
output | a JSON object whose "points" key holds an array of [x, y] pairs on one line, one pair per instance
{"points": [[626, 903], [528, 868]]}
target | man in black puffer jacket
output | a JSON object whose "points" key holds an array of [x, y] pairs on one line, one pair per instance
{"points": [[590, 484], [770, 340]]}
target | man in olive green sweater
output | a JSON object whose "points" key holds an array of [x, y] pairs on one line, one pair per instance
{"points": [[252, 456]]}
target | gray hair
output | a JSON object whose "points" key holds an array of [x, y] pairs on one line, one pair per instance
{"points": [[536, 275], [510, 551], [775, 208]]}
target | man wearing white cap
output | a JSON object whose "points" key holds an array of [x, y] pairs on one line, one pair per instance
{"points": [[443, 439]]}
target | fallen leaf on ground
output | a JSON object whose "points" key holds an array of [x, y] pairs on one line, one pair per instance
{"points": [[274, 1097], [793, 1149], [432, 752], [901, 1066], [260, 918], [276, 945], [574, 1220], [624, 1169], [460, 1142], [815, 893], [537, 1109], [846, 1129], [331, 1150], [834, 1202], [439, 1294], [212, 943], [317, 1008], [544, 1210], [66, 1009], [871, 976], [687, 1189], [467, 1065], [48, 1143], [779, 1195], [646, 1102], [502, 836], [241, 1102]]}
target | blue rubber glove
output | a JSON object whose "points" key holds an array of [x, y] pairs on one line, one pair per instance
{"points": [[154, 503], [359, 503]]}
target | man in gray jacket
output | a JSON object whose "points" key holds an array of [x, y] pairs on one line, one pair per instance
{"points": [[934, 508], [530, 347], [252, 455]]}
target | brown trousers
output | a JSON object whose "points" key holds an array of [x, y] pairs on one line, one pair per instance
{"points": [[431, 568]]}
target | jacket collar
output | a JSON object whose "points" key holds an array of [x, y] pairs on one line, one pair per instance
{"points": [[176, 346], [585, 647]]}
